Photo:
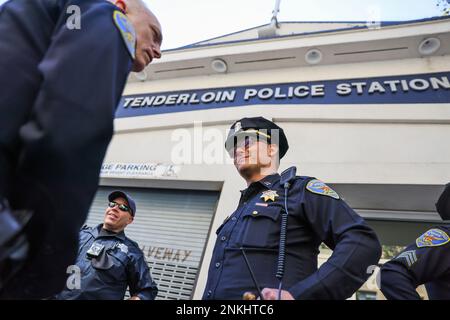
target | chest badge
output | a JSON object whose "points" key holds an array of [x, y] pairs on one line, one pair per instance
{"points": [[269, 195], [123, 247], [433, 238], [95, 250]]}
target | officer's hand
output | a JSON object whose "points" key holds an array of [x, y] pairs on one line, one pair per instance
{"points": [[249, 296], [134, 298], [272, 294], [148, 33]]}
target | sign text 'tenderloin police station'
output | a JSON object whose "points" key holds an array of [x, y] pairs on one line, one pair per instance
{"points": [[424, 88]]}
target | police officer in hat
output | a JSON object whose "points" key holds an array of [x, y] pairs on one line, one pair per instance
{"points": [[268, 247], [108, 260], [63, 67], [427, 261]]}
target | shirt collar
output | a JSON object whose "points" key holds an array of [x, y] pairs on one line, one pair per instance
{"points": [[96, 231], [267, 182]]}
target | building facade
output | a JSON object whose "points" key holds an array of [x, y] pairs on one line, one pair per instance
{"points": [[366, 108]]}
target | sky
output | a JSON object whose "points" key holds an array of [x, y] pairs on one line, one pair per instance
{"points": [[185, 22]]}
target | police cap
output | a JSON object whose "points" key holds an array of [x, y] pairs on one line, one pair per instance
{"points": [[120, 194], [260, 127]]}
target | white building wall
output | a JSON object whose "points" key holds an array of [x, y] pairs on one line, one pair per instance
{"points": [[388, 144]]}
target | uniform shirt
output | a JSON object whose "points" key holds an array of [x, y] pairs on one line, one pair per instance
{"points": [[125, 265], [315, 216], [425, 262]]}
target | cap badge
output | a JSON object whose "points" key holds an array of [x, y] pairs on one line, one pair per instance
{"points": [[237, 126]]}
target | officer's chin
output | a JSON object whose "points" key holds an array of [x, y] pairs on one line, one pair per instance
{"points": [[108, 224], [109, 221], [246, 169], [139, 64]]}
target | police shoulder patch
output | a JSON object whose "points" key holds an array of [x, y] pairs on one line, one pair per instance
{"points": [[433, 238], [318, 187], [126, 31]]}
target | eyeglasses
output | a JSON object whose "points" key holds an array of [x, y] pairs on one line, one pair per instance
{"points": [[244, 143], [121, 207]]}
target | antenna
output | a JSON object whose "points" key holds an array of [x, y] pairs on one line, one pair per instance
{"points": [[275, 12], [270, 30]]}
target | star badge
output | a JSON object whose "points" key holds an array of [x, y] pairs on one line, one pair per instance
{"points": [[123, 247], [269, 195]]}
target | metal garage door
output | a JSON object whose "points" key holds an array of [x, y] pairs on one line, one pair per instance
{"points": [[171, 227]]}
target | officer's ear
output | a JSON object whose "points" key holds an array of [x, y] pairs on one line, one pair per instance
{"points": [[130, 218], [274, 153], [273, 149]]}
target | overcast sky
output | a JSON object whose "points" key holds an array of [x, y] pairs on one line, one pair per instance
{"points": [[185, 22]]}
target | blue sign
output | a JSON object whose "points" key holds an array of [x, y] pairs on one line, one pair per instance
{"points": [[422, 88]]}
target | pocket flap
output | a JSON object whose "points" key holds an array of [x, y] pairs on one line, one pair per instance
{"points": [[272, 212]]}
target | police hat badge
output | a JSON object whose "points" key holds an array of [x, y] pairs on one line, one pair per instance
{"points": [[237, 126]]}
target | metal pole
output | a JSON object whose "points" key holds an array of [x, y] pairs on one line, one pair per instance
{"points": [[276, 10]]}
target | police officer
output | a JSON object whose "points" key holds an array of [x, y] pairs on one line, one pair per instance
{"points": [[247, 256], [63, 67], [427, 261], [109, 261]]}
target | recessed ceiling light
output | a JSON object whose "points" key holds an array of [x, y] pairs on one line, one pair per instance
{"points": [[218, 65], [313, 56], [429, 46]]}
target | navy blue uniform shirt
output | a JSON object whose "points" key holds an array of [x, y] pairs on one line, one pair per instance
{"points": [[59, 88], [122, 265], [316, 215], [427, 262]]}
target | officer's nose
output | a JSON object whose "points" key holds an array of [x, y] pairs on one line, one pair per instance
{"points": [[114, 209], [240, 153], [156, 51]]}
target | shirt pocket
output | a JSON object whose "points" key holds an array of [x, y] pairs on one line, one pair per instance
{"points": [[117, 272], [261, 227]]}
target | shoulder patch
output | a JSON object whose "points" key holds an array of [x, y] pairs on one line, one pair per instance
{"points": [[318, 187], [126, 31], [433, 238]]}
